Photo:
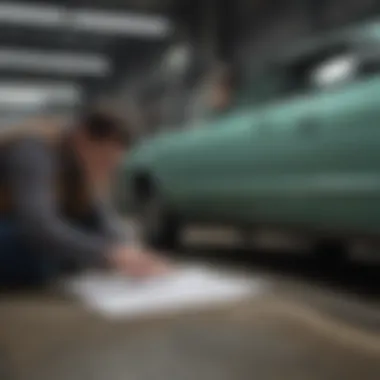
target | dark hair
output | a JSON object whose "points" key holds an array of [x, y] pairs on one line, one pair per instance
{"points": [[101, 126]]}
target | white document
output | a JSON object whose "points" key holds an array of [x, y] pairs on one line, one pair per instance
{"points": [[191, 288]]}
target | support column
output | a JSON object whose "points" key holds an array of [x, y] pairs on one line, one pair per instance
{"points": [[198, 22], [316, 10], [227, 29], [209, 30]]}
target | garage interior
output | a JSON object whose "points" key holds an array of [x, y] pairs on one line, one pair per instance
{"points": [[57, 57]]}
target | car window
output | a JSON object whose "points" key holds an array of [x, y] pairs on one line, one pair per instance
{"points": [[335, 70], [325, 66], [328, 66]]}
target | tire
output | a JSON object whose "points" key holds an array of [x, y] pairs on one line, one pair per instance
{"points": [[331, 252], [160, 227]]}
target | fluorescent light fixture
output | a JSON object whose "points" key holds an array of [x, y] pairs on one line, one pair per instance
{"points": [[18, 13], [54, 62], [18, 95], [21, 99], [121, 23], [94, 21]]}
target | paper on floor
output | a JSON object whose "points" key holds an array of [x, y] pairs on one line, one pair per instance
{"points": [[116, 296]]}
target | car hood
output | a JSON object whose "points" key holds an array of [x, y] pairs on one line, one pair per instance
{"points": [[147, 153]]}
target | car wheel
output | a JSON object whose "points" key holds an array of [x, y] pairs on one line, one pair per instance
{"points": [[160, 227], [331, 252]]}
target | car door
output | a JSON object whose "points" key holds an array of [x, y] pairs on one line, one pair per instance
{"points": [[250, 165], [206, 161], [295, 187], [347, 185], [327, 143], [279, 163], [261, 161]]}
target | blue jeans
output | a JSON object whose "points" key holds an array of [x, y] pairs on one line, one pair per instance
{"points": [[20, 265]]}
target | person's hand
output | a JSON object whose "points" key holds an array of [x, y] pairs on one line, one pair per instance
{"points": [[137, 262]]}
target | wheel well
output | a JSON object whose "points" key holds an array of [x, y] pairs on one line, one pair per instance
{"points": [[142, 187]]}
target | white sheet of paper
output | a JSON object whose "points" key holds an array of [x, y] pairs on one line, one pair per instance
{"points": [[117, 296]]}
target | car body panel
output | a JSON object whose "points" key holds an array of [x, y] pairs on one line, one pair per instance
{"points": [[311, 159]]}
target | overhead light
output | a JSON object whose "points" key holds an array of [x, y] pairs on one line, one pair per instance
{"points": [[25, 14], [121, 23], [94, 21], [54, 62], [18, 95], [21, 99]]}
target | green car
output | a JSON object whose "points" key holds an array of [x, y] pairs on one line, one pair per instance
{"points": [[299, 150]]}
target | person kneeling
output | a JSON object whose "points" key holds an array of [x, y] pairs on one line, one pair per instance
{"points": [[53, 202]]}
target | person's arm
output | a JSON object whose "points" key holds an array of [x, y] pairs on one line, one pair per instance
{"points": [[32, 168], [112, 224]]}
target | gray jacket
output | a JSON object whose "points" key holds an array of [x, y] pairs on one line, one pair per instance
{"points": [[31, 167]]}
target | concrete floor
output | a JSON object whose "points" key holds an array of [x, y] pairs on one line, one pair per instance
{"points": [[300, 329], [277, 336]]}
